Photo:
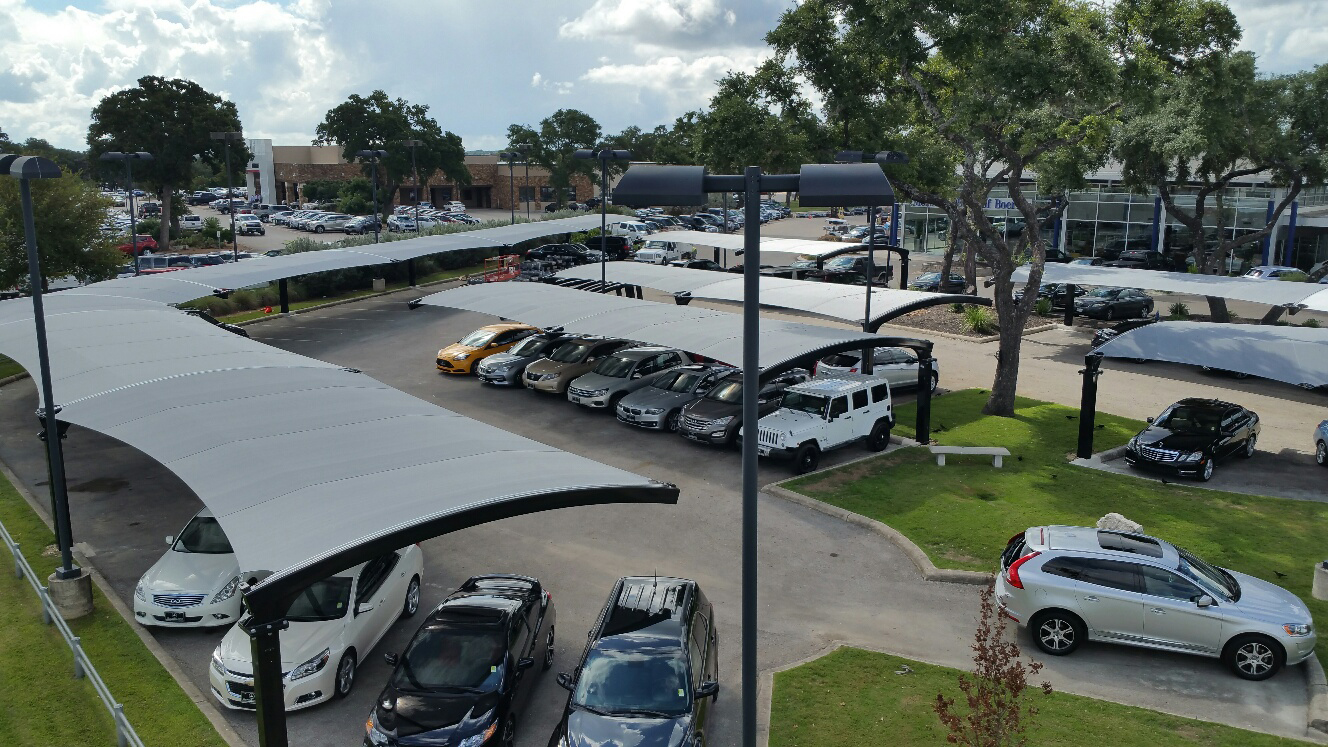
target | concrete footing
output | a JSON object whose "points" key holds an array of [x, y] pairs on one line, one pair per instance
{"points": [[71, 596]]}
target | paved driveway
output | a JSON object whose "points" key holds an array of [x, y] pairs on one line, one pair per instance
{"points": [[821, 580]]}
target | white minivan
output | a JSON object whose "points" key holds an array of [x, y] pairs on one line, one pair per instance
{"points": [[631, 229]]}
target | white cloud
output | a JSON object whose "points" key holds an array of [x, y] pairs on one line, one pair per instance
{"points": [[1286, 35], [660, 19], [559, 87], [685, 83], [535, 80]]}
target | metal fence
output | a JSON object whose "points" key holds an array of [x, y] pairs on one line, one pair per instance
{"points": [[124, 733]]}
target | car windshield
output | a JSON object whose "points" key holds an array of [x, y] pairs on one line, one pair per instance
{"points": [[642, 680], [323, 600], [478, 339], [616, 366], [1104, 292], [810, 403], [203, 535], [528, 346], [1214, 580], [841, 262], [451, 659], [1194, 421], [727, 391], [678, 381], [928, 277], [571, 352]]}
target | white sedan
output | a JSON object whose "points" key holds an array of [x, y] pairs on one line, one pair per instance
{"points": [[334, 625], [194, 584]]}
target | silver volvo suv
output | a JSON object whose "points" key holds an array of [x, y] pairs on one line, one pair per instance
{"points": [[1070, 584]]}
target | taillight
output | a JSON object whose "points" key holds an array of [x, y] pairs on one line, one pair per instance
{"points": [[1012, 574], [853, 370]]}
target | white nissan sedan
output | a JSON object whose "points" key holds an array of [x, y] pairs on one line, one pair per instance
{"points": [[334, 624], [194, 583]]}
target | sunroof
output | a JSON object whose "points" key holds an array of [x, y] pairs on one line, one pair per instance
{"points": [[1129, 543]]}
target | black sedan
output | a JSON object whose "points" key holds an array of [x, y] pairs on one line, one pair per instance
{"points": [[573, 252], [1113, 303], [465, 677], [1192, 435], [698, 264], [931, 281], [1102, 336], [1054, 291]]}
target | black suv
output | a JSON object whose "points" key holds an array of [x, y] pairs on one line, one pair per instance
{"points": [[614, 247], [717, 417], [649, 674], [573, 252], [465, 676], [1141, 259], [1191, 435]]}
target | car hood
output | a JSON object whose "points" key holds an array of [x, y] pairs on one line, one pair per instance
{"points": [[548, 366], [585, 729], [1269, 602], [791, 421], [1162, 438], [299, 643], [454, 715], [593, 381], [654, 397], [198, 572], [455, 348], [709, 409], [500, 359]]}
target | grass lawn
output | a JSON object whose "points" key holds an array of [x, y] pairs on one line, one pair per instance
{"points": [[43, 703], [962, 514], [854, 697], [245, 316], [8, 367]]}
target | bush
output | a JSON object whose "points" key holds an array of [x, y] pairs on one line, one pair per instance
{"points": [[979, 320], [1294, 277], [149, 227], [1312, 323], [1179, 310], [1042, 307], [956, 308]]}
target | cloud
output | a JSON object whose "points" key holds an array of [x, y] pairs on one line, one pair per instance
{"points": [[18, 88], [1286, 35], [684, 83], [674, 21], [559, 87], [535, 80]]}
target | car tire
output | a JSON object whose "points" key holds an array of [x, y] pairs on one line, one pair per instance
{"points": [[1321, 453], [673, 422], [411, 604], [1057, 632], [344, 681], [507, 737], [262, 232], [935, 380], [1254, 657], [1148, 309], [1206, 473], [806, 459], [614, 400], [879, 438], [548, 650], [319, 229]]}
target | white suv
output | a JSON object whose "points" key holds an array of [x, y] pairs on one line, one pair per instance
{"points": [[824, 414], [1067, 584]]}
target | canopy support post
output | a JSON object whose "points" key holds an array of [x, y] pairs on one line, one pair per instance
{"points": [[903, 270], [410, 273], [269, 692], [923, 424], [283, 292], [1088, 404], [1069, 304]]}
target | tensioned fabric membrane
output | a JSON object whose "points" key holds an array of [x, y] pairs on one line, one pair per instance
{"points": [[846, 302], [714, 334], [1295, 355], [1274, 293], [807, 247]]}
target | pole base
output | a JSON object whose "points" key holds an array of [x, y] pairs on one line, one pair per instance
{"points": [[72, 597], [1320, 588]]}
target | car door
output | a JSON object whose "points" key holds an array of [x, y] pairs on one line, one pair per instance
{"points": [[895, 366], [374, 611], [520, 639], [1172, 616], [1109, 598], [1235, 431], [841, 426], [698, 652]]}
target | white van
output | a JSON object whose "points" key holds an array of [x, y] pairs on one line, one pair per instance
{"points": [[635, 231], [191, 223]]}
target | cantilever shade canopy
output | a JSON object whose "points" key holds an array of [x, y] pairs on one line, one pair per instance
{"points": [[1295, 355], [1271, 292]]}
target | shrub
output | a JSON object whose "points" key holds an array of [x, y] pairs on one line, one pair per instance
{"points": [[956, 308], [1042, 307], [1312, 323], [1179, 310], [149, 227], [979, 320], [1294, 277]]}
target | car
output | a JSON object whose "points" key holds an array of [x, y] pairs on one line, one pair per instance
{"points": [[1140, 259], [145, 244], [265, 211], [334, 625], [1272, 272], [698, 264], [859, 264], [281, 218], [716, 418], [1102, 336], [460, 357], [1190, 436], [1071, 584], [194, 584], [659, 405], [614, 247], [1057, 255], [649, 674], [191, 222], [823, 414], [149, 208], [1321, 444], [576, 356], [931, 282], [331, 222], [246, 225], [563, 252], [1089, 261], [899, 366], [362, 224], [400, 223], [1056, 292], [506, 369], [659, 252], [467, 675], [1113, 303], [622, 373]]}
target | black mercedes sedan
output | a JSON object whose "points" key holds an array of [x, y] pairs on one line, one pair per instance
{"points": [[1113, 303], [465, 677], [1192, 435]]}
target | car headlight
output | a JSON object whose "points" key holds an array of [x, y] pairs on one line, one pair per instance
{"points": [[1194, 456], [1134, 443], [1298, 630], [599, 392], [141, 592], [216, 661], [313, 666], [479, 739], [721, 422], [227, 591], [653, 411], [461, 356]]}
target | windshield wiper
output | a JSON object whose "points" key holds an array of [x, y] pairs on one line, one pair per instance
{"points": [[595, 711], [642, 712]]}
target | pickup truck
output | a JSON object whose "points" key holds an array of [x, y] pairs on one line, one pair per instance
{"points": [[658, 252], [827, 413]]}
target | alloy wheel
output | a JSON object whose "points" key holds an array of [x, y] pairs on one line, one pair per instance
{"points": [[1056, 634], [413, 596], [1254, 658], [548, 651], [509, 730], [345, 675], [1321, 454], [674, 421], [1208, 470], [1249, 445]]}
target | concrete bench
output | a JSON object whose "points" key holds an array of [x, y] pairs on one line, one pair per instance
{"points": [[995, 452]]}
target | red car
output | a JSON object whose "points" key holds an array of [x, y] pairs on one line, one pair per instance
{"points": [[145, 244]]}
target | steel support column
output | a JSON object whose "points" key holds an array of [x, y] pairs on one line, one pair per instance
{"points": [[1268, 240], [923, 423], [903, 270], [1069, 304], [410, 273], [1088, 404], [269, 690], [283, 295], [1285, 256], [751, 386]]}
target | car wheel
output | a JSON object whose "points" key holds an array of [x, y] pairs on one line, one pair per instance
{"points": [[673, 421], [412, 603], [806, 459], [1249, 447], [1206, 473], [345, 674], [879, 438], [1321, 454], [548, 651], [319, 229], [1148, 309], [262, 232], [935, 379], [1254, 657], [1057, 632], [614, 400]]}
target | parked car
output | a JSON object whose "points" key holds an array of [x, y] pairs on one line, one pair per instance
{"points": [[1101, 336], [659, 405], [1113, 303], [400, 223], [1090, 261], [899, 366], [931, 282], [717, 417], [281, 218], [507, 369], [824, 414], [466, 676], [576, 356], [649, 673], [615, 247], [659, 252], [1141, 259], [461, 356], [861, 265], [145, 244], [247, 225], [333, 222], [361, 225], [622, 373], [1053, 291], [334, 625], [1189, 437], [1272, 272], [1071, 584], [578, 253], [698, 264], [191, 222], [1321, 444], [194, 584], [146, 209]]}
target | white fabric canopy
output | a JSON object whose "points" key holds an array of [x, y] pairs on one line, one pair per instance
{"points": [[1272, 292], [1295, 355], [809, 247]]}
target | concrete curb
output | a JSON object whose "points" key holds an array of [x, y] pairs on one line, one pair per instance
{"points": [[1317, 684], [204, 703], [15, 377], [1111, 454], [342, 302]]}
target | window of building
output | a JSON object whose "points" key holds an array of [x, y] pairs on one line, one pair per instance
{"points": [[525, 194]]}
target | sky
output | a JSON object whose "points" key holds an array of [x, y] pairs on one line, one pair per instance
{"points": [[479, 66]]}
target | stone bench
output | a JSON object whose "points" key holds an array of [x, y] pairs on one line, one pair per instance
{"points": [[995, 452]]}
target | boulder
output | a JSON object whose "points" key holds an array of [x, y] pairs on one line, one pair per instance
{"points": [[1116, 523]]}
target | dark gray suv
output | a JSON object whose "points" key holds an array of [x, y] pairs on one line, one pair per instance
{"points": [[716, 418], [659, 406]]}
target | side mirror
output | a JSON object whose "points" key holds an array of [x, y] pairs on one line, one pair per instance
{"points": [[390, 658], [565, 680], [637, 375], [170, 539], [363, 607], [1204, 601], [524, 664], [1148, 419], [707, 689]]}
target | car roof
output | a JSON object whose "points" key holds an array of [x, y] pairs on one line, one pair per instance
{"points": [[648, 606], [1199, 402], [833, 386], [643, 351], [504, 326], [1107, 543]]}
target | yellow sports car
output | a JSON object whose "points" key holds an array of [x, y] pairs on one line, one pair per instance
{"points": [[460, 357]]}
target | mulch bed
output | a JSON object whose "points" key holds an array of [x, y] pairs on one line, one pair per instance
{"points": [[942, 319]]}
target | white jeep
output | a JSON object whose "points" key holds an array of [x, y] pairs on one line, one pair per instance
{"points": [[658, 252], [824, 414]]}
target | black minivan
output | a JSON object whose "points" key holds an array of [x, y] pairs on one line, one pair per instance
{"points": [[649, 674]]}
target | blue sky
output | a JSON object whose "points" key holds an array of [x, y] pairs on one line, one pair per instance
{"points": [[480, 66]]}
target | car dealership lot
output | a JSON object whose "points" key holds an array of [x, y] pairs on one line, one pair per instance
{"points": [[822, 580]]}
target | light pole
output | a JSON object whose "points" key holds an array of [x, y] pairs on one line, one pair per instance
{"points": [[227, 138], [373, 156], [128, 159], [511, 158], [525, 149], [415, 169], [603, 155]]}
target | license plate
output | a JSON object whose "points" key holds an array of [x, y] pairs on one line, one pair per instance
{"points": [[627, 417], [575, 399], [174, 616], [692, 436], [763, 450]]}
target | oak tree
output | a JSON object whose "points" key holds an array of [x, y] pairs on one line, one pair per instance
{"points": [[554, 144]]}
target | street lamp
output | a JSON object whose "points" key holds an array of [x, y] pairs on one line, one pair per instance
{"points": [[525, 149], [373, 156], [128, 159], [603, 155], [227, 138], [414, 167], [511, 157]]}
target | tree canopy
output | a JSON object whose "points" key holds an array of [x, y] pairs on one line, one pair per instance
{"points": [[554, 143], [68, 214]]}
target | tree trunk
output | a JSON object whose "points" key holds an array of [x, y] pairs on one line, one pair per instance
{"points": [[167, 192], [971, 264], [1217, 310], [1010, 318], [948, 260]]}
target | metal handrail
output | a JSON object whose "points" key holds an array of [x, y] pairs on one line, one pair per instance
{"points": [[124, 732]]}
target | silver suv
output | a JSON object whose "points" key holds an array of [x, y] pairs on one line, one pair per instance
{"points": [[622, 373], [1067, 584]]}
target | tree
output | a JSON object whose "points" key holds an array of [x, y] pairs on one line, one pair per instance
{"points": [[760, 119], [68, 213], [677, 144], [70, 160], [173, 120], [377, 122], [320, 190], [356, 197], [554, 143]]}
